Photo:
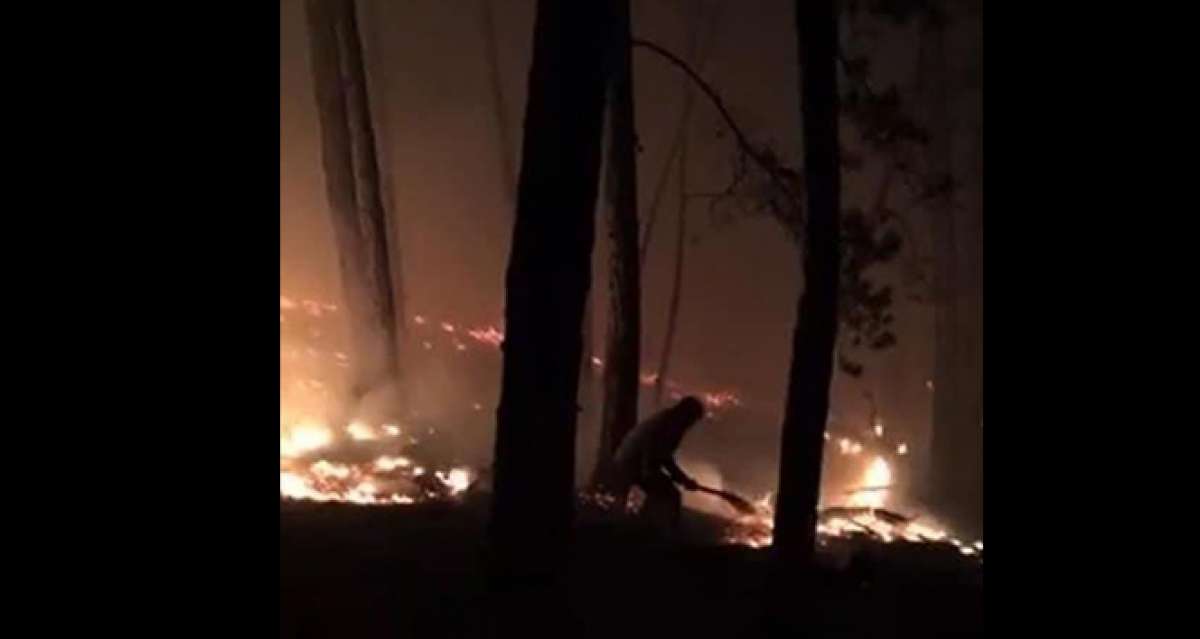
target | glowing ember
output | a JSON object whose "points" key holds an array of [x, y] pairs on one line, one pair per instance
{"points": [[417, 319], [448, 327], [359, 431], [487, 335], [387, 464], [719, 400], [879, 429], [392, 430], [902, 449], [312, 308]]}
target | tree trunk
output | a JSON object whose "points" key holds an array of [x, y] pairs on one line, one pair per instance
{"points": [[664, 361], [499, 108], [353, 188], [548, 276], [377, 90], [622, 357], [816, 315], [956, 490], [689, 99]]}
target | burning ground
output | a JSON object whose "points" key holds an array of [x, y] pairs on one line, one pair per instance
{"points": [[382, 516], [369, 459]]}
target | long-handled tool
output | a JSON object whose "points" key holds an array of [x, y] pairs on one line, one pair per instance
{"points": [[740, 504]]}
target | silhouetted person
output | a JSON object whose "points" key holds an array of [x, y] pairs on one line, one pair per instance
{"points": [[646, 458]]}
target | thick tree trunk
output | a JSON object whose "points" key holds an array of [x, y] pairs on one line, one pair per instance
{"points": [[816, 315], [622, 357], [549, 273], [353, 188]]}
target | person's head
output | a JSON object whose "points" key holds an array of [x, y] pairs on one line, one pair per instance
{"points": [[691, 409]]}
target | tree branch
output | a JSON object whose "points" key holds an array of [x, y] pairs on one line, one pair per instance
{"points": [[743, 142]]}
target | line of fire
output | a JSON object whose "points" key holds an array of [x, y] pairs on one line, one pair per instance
{"points": [[631, 317]]}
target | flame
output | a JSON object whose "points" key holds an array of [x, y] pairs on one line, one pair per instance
{"points": [[457, 480], [388, 479], [861, 517], [875, 482], [304, 438]]}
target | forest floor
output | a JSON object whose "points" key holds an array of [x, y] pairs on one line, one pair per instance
{"points": [[417, 571]]}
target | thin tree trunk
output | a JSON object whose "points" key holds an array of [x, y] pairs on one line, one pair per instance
{"points": [[622, 358], [548, 276], [815, 335], [377, 89], [664, 361], [353, 188], [499, 107], [681, 130]]}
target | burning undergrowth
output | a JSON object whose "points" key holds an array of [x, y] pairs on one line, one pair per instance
{"points": [[373, 466], [371, 457]]}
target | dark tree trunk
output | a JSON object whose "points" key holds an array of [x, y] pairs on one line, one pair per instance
{"points": [[549, 273], [816, 314], [353, 188], [622, 356], [375, 54]]}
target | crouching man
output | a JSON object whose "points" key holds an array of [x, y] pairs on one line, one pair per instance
{"points": [[646, 458]]}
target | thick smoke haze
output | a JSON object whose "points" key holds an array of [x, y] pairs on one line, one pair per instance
{"points": [[429, 74]]}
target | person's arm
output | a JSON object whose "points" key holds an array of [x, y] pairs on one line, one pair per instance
{"points": [[679, 476]]}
